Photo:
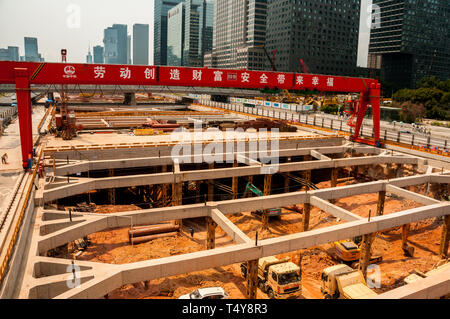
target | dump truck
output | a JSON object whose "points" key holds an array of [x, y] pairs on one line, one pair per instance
{"points": [[342, 281], [279, 278]]}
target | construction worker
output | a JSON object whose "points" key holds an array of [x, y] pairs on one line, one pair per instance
{"points": [[29, 163], [41, 168], [4, 158]]}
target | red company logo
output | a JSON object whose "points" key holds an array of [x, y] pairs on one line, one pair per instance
{"points": [[69, 72]]}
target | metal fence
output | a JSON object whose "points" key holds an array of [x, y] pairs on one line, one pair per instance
{"points": [[417, 140]]}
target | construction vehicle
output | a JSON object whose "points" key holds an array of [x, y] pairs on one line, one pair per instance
{"points": [[341, 281], [348, 251], [279, 278], [442, 266], [272, 212]]}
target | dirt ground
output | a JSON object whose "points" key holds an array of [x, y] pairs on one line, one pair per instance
{"points": [[113, 247]]}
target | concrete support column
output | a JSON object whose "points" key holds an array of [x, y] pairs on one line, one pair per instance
{"points": [[177, 189], [267, 191], [443, 249], [333, 179], [164, 187], [286, 178], [197, 192], [111, 191], [211, 186], [130, 99], [381, 201], [306, 215], [252, 279], [334, 176], [366, 247], [405, 232], [210, 233], [235, 181], [307, 174]]}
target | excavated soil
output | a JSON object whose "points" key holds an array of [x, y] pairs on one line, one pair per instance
{"points": [[113, 247]]}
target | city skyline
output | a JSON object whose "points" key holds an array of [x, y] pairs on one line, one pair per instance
{"points": [[53, 35]]}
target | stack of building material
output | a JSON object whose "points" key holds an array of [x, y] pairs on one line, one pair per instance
{"points": [[143, 234]]}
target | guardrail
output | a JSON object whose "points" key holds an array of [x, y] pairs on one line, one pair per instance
{"points": [[410, 140], [9, 250]]}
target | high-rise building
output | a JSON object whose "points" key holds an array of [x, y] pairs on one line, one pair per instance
{"points": [[239, 33], [206, 28], [198, 29], [162, 7], [191, 33], [129, 49], [115, 42], [413, 40], [140, 44], [98, 54], [89, 56], [323, 33], [176, 34], [31, 50], [9, 54]]}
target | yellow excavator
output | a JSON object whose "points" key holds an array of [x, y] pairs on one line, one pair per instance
{"points": [[348, 251]]}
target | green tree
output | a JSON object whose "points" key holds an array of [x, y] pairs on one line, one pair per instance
{"points": [[411, 112]]}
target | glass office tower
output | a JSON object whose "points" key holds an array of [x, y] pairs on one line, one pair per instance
{"points": [[162, 8], [413, 40]]}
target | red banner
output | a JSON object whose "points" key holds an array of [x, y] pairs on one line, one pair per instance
{"points": [[110, 74]]}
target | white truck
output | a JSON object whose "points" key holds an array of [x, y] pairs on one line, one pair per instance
{"points": [[342, 281], [280, 279]]}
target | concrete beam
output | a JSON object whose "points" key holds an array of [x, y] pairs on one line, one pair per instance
{"points": [[85, 185], [424, 200], [319, 156], [432, 287], [334, 210], [182, 264], [231, 229], [97, 222]]}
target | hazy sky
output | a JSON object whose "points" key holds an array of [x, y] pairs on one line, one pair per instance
{"points": [[76, 24]]}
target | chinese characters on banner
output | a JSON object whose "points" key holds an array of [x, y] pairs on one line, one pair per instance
{"points": [[202, 77]]}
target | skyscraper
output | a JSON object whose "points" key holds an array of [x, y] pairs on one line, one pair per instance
{"points": [[176, 35], [323, 33], [31, 50], [116, 43], [199, 21], [89, 56], [129, 49], [98, 54], [9, 54], [140, 44], [239, 32], [206, 28], [413, 40], [162, 7]]}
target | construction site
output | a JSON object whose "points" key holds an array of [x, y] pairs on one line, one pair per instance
{"points": [[146, 191]]}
